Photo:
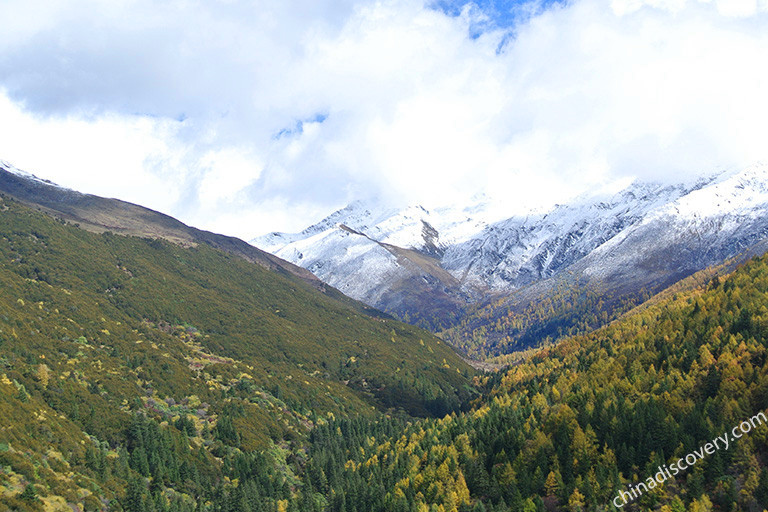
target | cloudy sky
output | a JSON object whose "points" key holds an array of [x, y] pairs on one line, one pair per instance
{"points": [[253, 116]]}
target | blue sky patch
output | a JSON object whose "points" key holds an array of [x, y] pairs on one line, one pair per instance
{"points": [[498, 14], [298, 126]]}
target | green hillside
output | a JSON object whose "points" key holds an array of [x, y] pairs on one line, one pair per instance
{"points": [[124, 357], [571, 426]]}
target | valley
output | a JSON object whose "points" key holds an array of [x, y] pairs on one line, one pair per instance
{"points": [[383, 256], [149, 366]]}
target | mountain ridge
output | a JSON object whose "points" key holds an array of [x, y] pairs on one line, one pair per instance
{"points": [[99, 214], [619, 245], [144, 375]]}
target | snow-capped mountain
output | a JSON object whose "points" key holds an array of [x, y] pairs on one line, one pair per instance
{"points": [[703, 227], [430, 265], [520, 250], [387, 257], [413, 227]]}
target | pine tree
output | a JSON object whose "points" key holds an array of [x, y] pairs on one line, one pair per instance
{"points": [[29, 494], [134, 495]]}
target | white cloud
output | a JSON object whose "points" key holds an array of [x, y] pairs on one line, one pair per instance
{"points": [[385, 98], [227, 171], [132, 158]]}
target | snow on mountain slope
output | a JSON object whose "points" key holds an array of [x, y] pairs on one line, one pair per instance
{"points": [[336, 254], [411, 227], [740, 193], [386, 257], [346, 249], [520, 250], [646, 235], [24, 174], [701, 228]]}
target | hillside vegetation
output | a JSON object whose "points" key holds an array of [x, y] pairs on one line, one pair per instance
{"points": [[569, 427], [560, 307], [134, 367]]}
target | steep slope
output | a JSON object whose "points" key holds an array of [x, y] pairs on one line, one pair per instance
{"points": [[388, 258], [124, 357], [571, 426], [99, 214], [521, 250], [704, 226]]}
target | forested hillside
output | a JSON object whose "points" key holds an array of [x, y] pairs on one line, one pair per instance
{"points": [[571, 426], [132, 367], [504, 326]]}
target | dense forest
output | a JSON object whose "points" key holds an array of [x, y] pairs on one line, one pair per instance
{"points": [[504, 326], [574, 424], [196, 400]]}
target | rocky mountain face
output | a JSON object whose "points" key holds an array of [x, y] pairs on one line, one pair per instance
{"points": [[435, 266]]}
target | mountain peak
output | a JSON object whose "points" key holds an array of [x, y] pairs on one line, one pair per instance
{"points": [[465, 252]]}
